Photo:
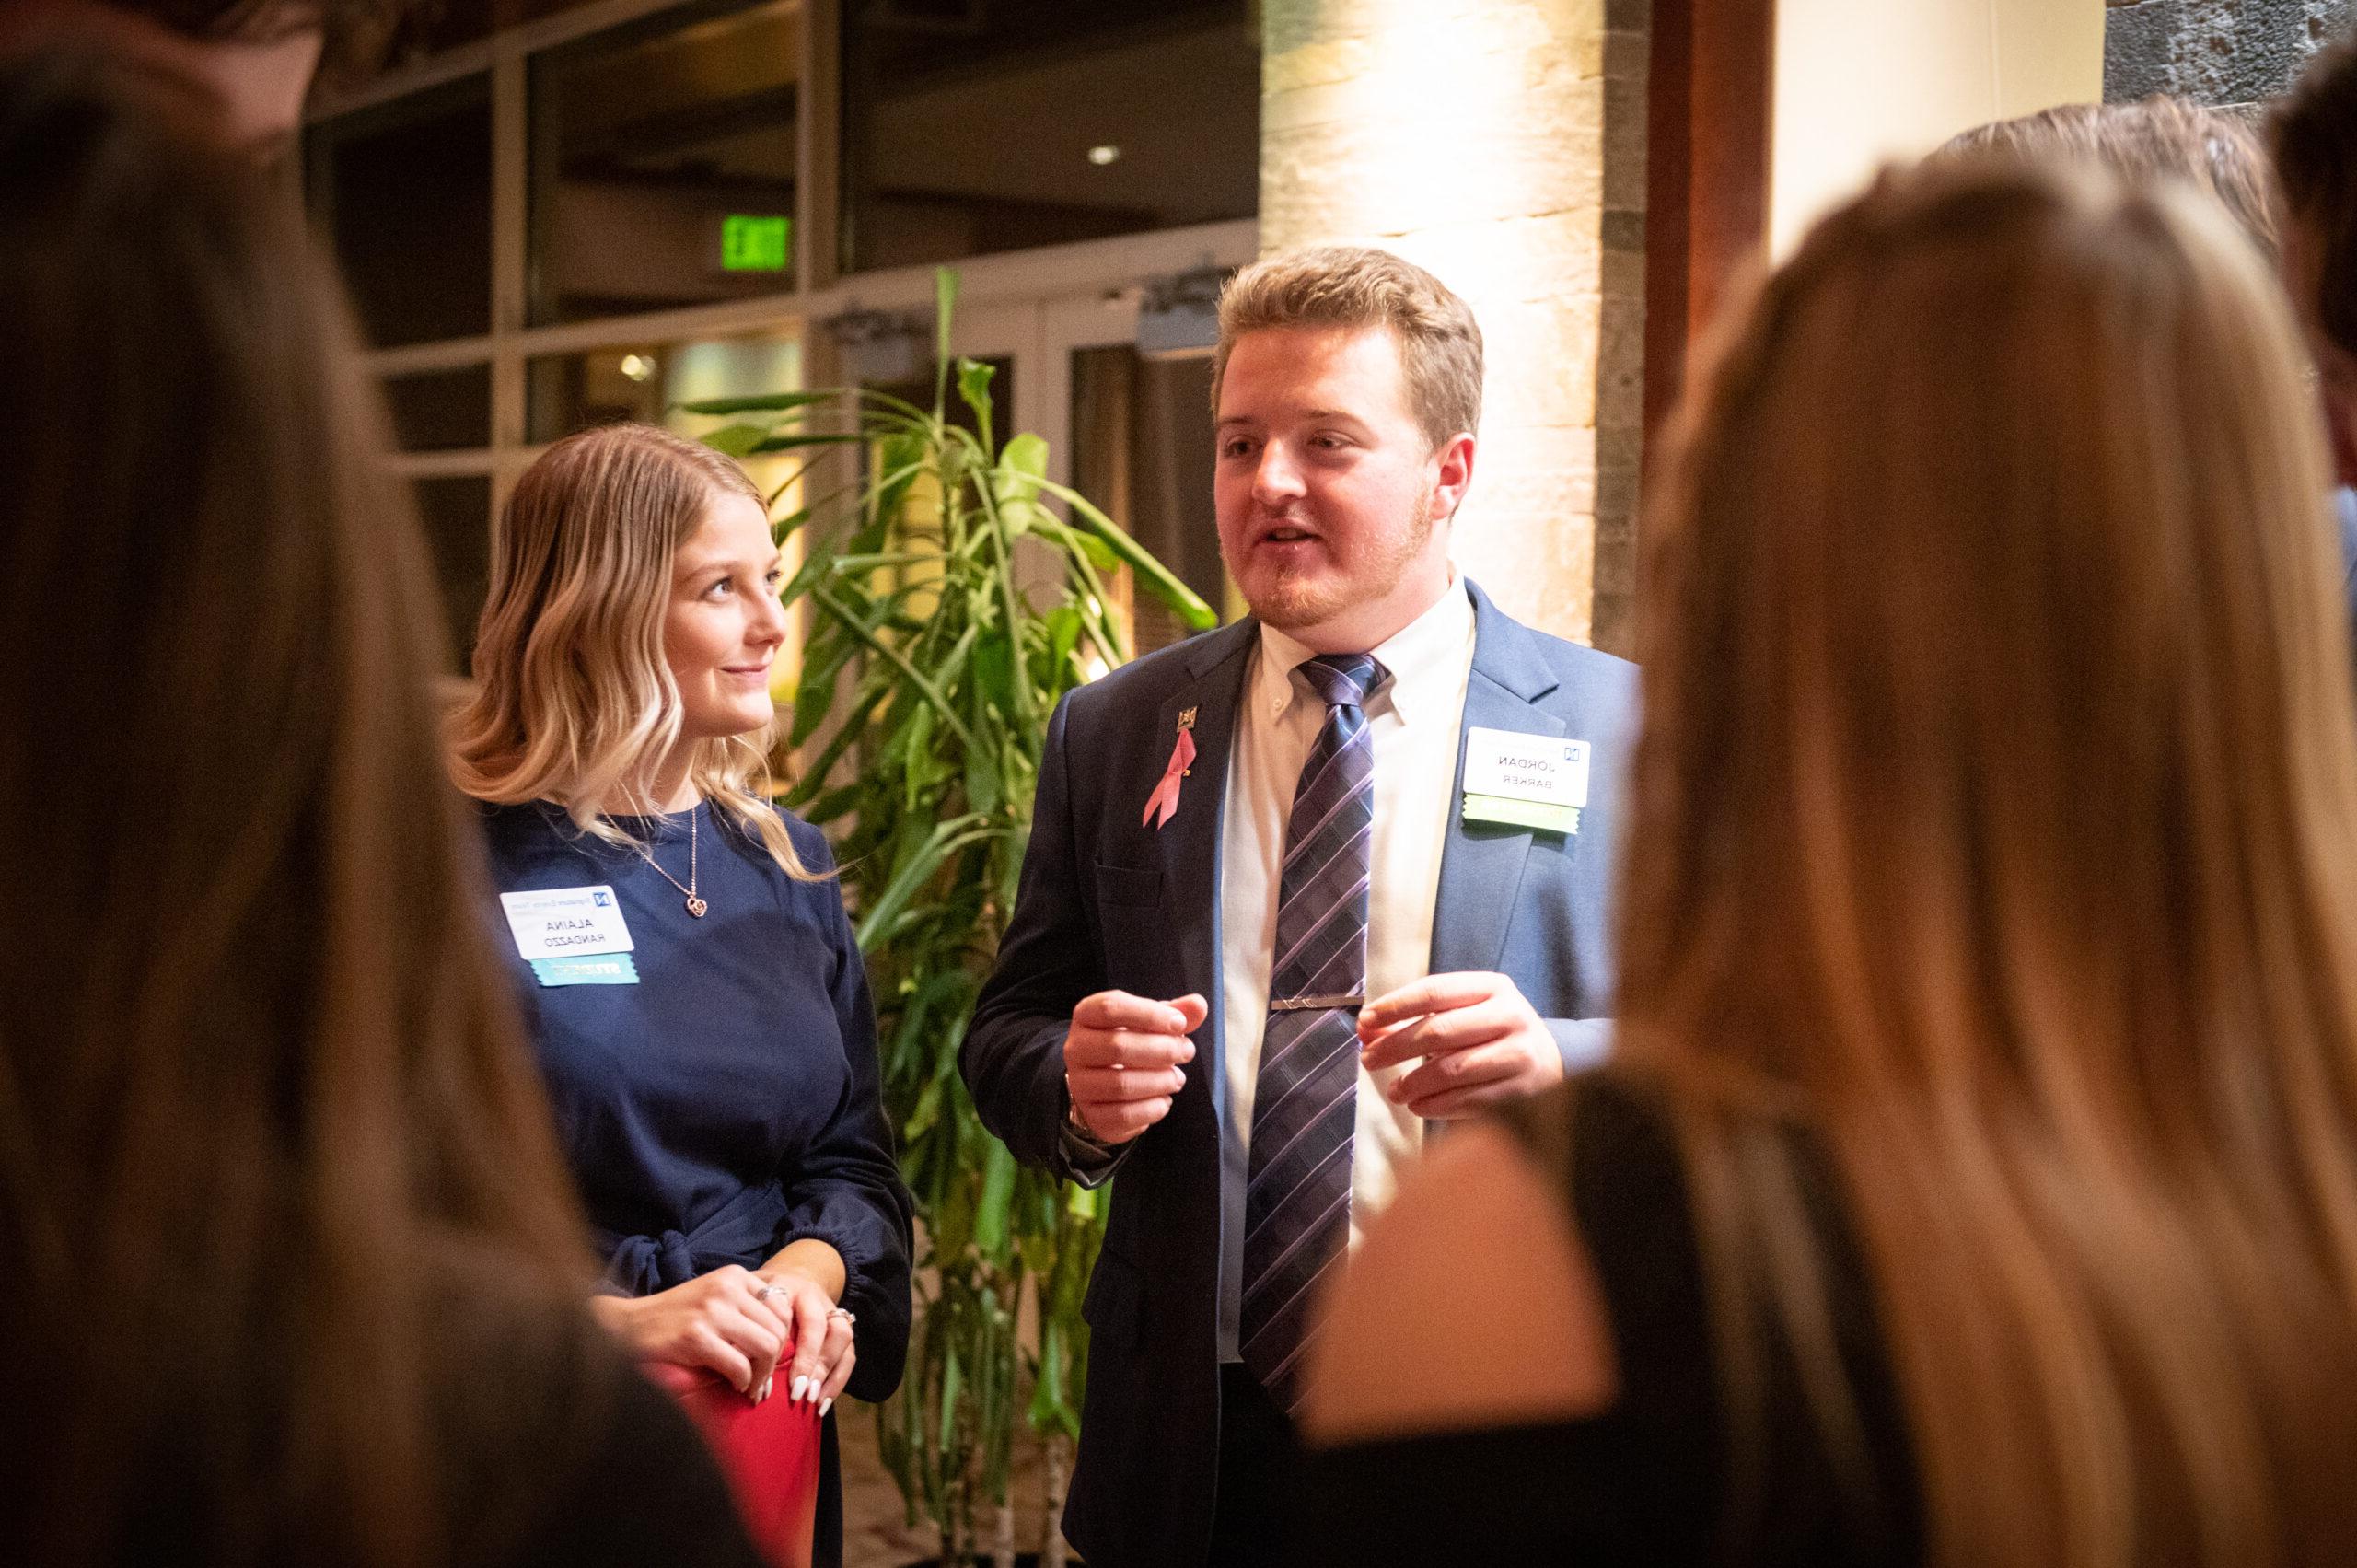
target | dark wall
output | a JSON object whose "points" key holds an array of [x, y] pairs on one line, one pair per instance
{"points": [[2216, 51]]}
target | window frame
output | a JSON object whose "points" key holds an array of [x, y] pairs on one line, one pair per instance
{"points": [[1037, 278]]}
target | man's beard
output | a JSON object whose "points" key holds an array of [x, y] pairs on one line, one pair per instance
{"points": [[1314, 597]]}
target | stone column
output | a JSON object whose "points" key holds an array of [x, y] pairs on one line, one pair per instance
{"points": [[1499, 142], [2231, 53]]}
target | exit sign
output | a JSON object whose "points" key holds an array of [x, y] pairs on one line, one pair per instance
{"points": [[750, 243]]}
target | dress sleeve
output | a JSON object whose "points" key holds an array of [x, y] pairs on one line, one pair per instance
{"points": [[844, 1189]]}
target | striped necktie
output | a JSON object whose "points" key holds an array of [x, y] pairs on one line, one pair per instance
{"points": [[1297, 1197]]}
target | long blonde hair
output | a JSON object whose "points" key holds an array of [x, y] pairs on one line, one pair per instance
{"points": [[572, 699], [1998, 801], [278, 1180]]}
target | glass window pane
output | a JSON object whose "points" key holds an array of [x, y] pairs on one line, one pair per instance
{"points": [[663, 161], [969, 129], [441, 411], [457, 512], [642, 381], [1142, 439], [402, 192]]}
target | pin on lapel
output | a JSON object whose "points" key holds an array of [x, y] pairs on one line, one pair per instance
{"points": [[1164, 802]]}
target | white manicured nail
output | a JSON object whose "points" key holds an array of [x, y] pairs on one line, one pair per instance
{"points": [[801, 1386], [824, 1406]]}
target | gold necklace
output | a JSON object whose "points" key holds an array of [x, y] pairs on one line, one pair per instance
{"points": [[696, 906]]}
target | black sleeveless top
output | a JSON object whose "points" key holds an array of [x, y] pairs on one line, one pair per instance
{"points": [[1654, 1478]]}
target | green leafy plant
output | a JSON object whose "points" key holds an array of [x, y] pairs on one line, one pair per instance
{"points": [[928, 676]]}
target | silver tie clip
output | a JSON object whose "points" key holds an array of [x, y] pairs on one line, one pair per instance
{"points": [[1315, 1003]]}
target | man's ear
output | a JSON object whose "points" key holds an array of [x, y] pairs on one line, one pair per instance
{"points": [[1452, 475]]}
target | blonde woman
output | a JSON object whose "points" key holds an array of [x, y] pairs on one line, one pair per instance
{"points": [[691, 982], [1976, 1181]]}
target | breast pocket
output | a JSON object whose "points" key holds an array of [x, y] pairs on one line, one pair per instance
{"points": [[1134, 926], [1128, 886]]}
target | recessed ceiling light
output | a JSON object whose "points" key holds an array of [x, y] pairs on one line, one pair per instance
{"points": [[1101, 156], [637, 366]]}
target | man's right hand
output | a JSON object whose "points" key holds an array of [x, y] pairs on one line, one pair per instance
{"points": [[1122, 1061]]}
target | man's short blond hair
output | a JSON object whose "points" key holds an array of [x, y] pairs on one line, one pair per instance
{"points": [[1356, 285], [2154, 138]]}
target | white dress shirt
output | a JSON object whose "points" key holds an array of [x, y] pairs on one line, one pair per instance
{"points": [[1412, 722]]}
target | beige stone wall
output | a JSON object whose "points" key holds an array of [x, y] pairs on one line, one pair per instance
{"points": [[1859, 83], [1488, 140]]}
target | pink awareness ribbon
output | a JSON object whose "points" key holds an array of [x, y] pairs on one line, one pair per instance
{"points": [[1165, 799]]}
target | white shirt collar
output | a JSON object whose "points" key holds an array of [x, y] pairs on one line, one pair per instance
{"points": [[1433, 642]]}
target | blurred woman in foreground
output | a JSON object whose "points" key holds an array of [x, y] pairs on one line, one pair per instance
{"points": [[295, 1269], [1976, 1178]]}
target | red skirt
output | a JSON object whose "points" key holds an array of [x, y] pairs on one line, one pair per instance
{"points": [[769, 1452]]}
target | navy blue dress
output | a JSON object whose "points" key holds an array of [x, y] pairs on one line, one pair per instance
{"points": [[725, 1102]]}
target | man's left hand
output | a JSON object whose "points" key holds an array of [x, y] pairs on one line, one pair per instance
{"points": [[1481, 1041]]}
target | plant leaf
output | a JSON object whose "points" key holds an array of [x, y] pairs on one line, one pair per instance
{"points": [[735, 439], [945, 839], [944, 307], [1025, 454], [993, 668], [1151, 572], [851, 623], [767, 403], [1098, 554], [974, 391], [801, 439], [989, 1214]]}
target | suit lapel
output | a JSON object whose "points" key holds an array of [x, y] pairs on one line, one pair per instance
{"points": [[1189, 844], [1481, 869]]}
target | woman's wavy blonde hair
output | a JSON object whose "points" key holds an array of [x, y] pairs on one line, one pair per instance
{"points": [[1999, 792], [572, 699]]}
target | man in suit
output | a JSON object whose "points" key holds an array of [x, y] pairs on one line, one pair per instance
{"points": [[1380, 786]]}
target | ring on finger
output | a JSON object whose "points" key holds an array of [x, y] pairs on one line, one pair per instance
{"points": [[837, 1314], [765, 1292]]}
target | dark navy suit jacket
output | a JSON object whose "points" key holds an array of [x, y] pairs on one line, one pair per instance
{"points": [[1107, 902]]}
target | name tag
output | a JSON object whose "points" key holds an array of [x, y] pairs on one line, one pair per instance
{"points": [[1526, 781], [587, 969], [563, 922]]}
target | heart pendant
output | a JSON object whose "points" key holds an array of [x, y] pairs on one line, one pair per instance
{"points": [[696, 906]]}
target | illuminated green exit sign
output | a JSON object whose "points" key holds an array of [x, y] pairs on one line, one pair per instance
{"points": [[754, 244]]}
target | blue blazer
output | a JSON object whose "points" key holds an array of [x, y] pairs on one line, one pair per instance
{"points": [[1107, 902], [2344, 510]]}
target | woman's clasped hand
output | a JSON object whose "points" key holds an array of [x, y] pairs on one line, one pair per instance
{"points": [[747, 1327]]}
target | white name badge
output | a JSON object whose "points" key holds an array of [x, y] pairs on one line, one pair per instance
{"points": [[556, 923], [1544, 767]]}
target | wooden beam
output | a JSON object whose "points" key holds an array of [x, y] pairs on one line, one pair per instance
{"points": [[1707, 125]]}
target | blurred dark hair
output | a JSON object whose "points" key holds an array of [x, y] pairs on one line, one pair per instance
{"points": [[357, 36], [2154, 138], [260, 22], [265, 1114], [2313, 131]]}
